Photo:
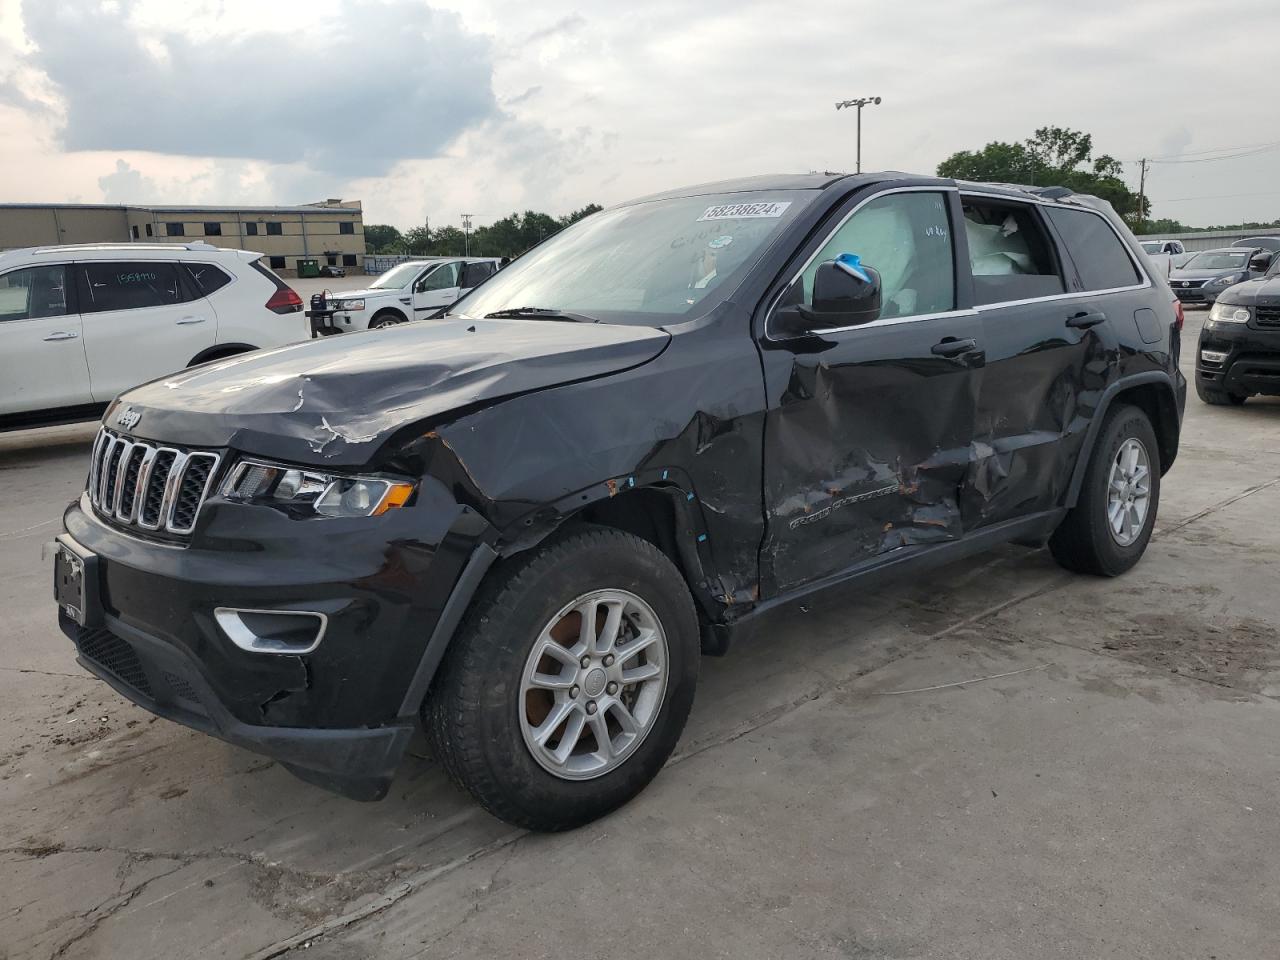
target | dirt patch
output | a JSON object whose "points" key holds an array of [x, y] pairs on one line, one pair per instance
{"points": [[1233, 651], [38, 849]]}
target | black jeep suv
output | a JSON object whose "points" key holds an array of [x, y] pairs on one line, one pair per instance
{"points": [[1239, 351], [521, 524]]}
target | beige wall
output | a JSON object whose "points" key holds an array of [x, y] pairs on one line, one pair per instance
{"points": [[315, 233], [41, 226]]}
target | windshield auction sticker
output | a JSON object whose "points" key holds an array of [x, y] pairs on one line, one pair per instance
{"points": [[745, 211]]}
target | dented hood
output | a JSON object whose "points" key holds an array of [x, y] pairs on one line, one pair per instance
{"points": [[336, 400]]}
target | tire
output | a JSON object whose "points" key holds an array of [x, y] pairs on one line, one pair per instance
{"points": [[1085, 540], [1218, 398], [387, 318], [484, 711]]}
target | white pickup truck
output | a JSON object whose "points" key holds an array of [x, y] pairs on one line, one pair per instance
{"points": [[415, 290], [1167, 255]]}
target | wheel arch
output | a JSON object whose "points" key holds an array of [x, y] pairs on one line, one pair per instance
{"points": [[394, 311], [1151, 392], [220, 351]]}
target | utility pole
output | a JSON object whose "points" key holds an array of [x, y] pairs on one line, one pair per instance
{"points": [[859, 102], [466, 230], [1142, 193]]}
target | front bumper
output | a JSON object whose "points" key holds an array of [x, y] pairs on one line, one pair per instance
{"points": [[339, 715], [159, 677], [1194, 295], [1250, 359]]}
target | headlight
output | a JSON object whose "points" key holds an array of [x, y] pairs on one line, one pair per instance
{"points": [[303, 492], [350, 304], [1223, 281], [1228, 313]]}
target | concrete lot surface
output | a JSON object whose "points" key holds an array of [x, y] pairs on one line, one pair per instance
{"points": [[1102, 784]]}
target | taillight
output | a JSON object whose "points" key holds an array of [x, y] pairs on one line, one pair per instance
{"points": [[1178, 317], [284, 300]]}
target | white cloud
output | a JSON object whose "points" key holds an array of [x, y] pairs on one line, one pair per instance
{"points": [[614, 100]]}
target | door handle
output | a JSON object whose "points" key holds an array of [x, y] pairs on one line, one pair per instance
{"points": [[191, 320], [951, 347], [61, 335], [1086, 319]]}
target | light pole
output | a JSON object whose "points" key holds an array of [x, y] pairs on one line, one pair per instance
{"points": [[860, 102], [466, 232]]}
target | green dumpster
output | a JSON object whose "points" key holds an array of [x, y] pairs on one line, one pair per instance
{"points": [[308, 268]]}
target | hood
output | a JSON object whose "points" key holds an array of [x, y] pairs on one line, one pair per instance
{"points": [[1254, 292], [337, 399], [1179, 273]]}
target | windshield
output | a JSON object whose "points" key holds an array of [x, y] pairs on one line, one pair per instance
{"points": [[644, 263], [397, 277], [1152, 247], [1217, 260]]}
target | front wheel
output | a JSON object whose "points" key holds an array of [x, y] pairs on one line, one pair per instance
{"points": [[570, 680], [387, 318], [1108, 529]]}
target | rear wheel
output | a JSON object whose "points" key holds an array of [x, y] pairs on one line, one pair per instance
{"points": [[1218, 398], [1108, 530], [569, 682]]}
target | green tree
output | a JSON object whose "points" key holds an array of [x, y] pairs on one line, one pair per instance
{"points": [[1053, 157], [577, 215], [381, 238]]}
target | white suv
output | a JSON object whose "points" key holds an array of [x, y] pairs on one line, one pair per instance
{"points": [[81, 323], [415, 290]]}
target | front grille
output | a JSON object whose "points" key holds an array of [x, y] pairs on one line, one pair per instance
{"points": [[116, 657], [154, 488], [1268, 316], [1188, 284]]}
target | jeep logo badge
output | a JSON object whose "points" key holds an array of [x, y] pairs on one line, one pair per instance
{"points": [[128, 418]]}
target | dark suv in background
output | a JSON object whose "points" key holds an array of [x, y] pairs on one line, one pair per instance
{"points": [[521, 524], [1239, 350]]}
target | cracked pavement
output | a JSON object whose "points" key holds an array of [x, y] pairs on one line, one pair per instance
{"points": [[1101, 784]]}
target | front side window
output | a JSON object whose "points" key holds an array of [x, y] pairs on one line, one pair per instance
{"points": [[441, 278], [33, 292], [1153, 247], [645, 263], [1101, 258], [128, 285], [906, 237], [1010, 253]]}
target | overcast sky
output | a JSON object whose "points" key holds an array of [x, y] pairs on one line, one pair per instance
{"points": [[430, 109]]}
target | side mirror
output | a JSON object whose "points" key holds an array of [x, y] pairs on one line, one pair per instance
{"points": [[846, 293], [1261, 262]]}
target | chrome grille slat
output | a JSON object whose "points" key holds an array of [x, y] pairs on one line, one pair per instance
{"points": [[140, 484]]}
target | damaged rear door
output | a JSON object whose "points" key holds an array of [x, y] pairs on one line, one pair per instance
{"points": [[1047, 359], [868, 429]]}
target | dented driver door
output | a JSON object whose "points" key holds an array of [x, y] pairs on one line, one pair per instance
{"points": [[868, 429]]}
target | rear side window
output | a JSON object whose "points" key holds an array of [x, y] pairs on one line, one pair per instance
{"points": [[1100, 256], [33, 292], [128, 285], [206, 278], [473, 274], [1009, 252]]}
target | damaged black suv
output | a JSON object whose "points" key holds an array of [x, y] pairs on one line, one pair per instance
{"points": [[522, 523]]}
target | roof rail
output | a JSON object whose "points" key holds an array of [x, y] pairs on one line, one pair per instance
{"points": [[115, 245]]}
